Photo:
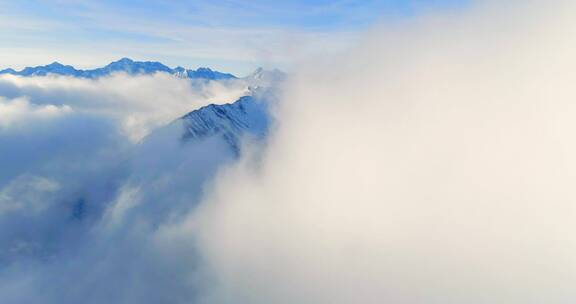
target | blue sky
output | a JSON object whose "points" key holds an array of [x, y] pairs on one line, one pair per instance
{"points": [[230, 35]]}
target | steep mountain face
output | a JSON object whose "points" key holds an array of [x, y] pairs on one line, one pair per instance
{"points": [[193, 148], [125, 65], [229, 122], [223, 125]]}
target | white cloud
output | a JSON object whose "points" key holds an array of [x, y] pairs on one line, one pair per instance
{"points": [[27, 193], [138, 103], [432, 164], [13, 112], [127, 198]]}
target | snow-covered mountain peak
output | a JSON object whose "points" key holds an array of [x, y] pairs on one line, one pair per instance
{"points": [[229, 122]]}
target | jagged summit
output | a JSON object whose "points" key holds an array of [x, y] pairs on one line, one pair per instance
{"points": [[227, 121], [227, 124]]}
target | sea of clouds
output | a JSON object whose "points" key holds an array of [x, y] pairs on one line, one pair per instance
{"points": [[84, 185], [432, 163]]}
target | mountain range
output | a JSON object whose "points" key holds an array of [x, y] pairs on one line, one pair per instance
{"points": [[125, 65], [227, 123]]}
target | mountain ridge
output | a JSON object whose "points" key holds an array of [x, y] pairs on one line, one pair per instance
{"points": [[228, 121]]}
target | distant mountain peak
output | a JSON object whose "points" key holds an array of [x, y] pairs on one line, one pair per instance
{"points": [[55, 64], [207, 73], [125, 60]]}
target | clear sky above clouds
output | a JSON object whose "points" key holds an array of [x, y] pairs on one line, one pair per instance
{"points": [[230, 35]]}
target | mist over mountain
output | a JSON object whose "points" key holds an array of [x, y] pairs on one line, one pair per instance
{"points": [[77, 188]]}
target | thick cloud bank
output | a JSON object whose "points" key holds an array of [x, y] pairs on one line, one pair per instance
{"points": [[435, 163]]}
